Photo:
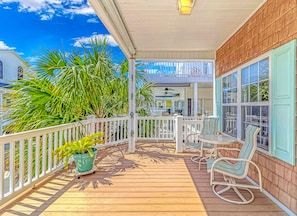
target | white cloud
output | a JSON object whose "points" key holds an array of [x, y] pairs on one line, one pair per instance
{"points": [[7, 8], [83, 10], [46, 16], [92, 20], [47, 9], [86, 40], [3, 46], [31, 5], [33, 59]]}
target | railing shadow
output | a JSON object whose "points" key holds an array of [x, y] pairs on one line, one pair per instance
{"points": [[111, 162], [115, 161]]}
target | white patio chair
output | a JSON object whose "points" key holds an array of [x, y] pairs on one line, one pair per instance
{"points": [[236, 168], [209, 127]]}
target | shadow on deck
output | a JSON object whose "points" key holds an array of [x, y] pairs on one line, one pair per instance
{"points": [[152, 181]]}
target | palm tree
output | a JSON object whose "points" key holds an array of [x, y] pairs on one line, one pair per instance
{"points": [[68, 87]]}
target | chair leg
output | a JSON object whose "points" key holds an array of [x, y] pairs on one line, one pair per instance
{"points": [[232, 185], [202, 157], [199, 160], [195, 158]]}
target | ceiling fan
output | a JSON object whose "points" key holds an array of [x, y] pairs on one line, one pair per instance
{"points": [[168, 90]]}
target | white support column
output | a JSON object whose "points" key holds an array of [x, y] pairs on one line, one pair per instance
{"points": [[132, 126], [179, 134], [195, 99]]}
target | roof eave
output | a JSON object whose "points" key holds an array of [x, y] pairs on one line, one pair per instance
{"points": [[108, 14]]}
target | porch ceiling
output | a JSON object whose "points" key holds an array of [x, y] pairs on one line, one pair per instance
{"points": [[153, 29]]}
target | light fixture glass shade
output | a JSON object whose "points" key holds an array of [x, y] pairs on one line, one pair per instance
{"points": [[185, 6]]}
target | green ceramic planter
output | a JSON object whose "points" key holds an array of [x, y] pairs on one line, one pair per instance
{"points": [[84, 162]]}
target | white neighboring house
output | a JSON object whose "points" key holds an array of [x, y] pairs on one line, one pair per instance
{"points": [[11, 69]]}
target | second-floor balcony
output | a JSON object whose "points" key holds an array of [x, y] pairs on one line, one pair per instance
{"points": [[178, 71]]}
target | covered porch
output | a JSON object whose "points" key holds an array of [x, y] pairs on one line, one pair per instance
{"points": [[253, 45], [237, 35]]}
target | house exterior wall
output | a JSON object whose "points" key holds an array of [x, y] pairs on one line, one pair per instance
{"points": [[273, 25], [11, 61], [205, 100]]}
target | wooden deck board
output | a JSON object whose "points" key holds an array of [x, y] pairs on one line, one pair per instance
{"points": [[153, 181]]}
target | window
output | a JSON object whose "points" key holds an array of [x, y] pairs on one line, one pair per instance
{"points": [[20, 72], [246, 100], [255, 100], [1, 70], [266, 98], [229, 104]]}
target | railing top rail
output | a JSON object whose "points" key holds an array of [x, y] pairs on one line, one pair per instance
{"points": [[31, 133]]}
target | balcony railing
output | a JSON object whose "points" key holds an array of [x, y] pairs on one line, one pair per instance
{"points": [[177, 71], [27, 157]]}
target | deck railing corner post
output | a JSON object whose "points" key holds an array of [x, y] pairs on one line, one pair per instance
{"points": [[179, 134], [91, 119]]}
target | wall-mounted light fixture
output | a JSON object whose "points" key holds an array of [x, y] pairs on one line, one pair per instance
{"points": [[185, 6]]}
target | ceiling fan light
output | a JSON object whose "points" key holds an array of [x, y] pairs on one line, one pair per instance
{"points": [[185, 6]]}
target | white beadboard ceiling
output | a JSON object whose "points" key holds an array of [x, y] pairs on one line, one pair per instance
{"points": [[153, 29]]}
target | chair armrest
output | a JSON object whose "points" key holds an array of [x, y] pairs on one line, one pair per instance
{"points": [[215, 150], [235, 159], [192, 134], [230, 159]]}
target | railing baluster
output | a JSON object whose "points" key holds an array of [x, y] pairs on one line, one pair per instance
{"points": [[30, 162], [21, 164], [2, 174], [49, 154], [56, 143], [12, 167], [37, 160], [44, 155]]}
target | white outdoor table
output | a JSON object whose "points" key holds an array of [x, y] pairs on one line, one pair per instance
{"points": [[217, 139]]}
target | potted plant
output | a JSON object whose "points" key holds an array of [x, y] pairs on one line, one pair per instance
{"points": [[82, 150]]}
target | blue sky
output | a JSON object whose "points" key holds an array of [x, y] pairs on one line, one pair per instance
{"points": [[31, 26]]}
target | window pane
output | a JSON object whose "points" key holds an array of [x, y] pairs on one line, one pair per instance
{"points": [[245, 76], [233, 95], [264, 91], [225, 82], [229, 120], [254, 92], [264, 69], [1, 70], [233, 80], [246, 116], [224, 97], [257, 116], [264, 144], [245, 93], [20, 72], [254, 73], [230, 88]]}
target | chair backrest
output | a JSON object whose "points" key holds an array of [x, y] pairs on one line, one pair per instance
{"points": [[249, 147], [210, 126]]}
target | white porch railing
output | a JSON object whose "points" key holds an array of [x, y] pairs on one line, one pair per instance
{"points": [[27, 157], [156, 128]]}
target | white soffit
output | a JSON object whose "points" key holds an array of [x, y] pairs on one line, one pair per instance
{"points": [[153, 29]]}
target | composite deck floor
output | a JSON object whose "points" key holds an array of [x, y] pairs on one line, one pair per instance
{"points": [[152, 181]]}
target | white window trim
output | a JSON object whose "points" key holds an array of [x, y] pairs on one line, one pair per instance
{"points": [[239, 104]]}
